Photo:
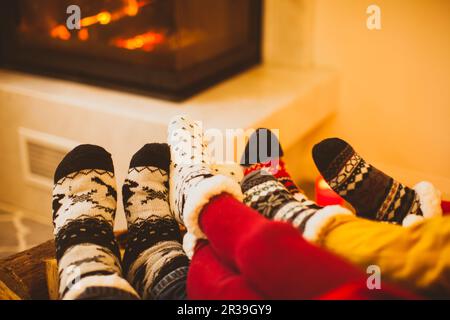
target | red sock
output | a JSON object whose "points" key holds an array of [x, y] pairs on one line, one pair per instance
{"points": [[272, 256], [209, 278]]}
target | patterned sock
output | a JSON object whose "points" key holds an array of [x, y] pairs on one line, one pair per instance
{"points": [[84, 205], [258, 155], [154, 260], [192, 182], [373, 194], [264, 193]]}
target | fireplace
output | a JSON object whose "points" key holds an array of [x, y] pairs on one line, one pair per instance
{"points": [[166, 48]]}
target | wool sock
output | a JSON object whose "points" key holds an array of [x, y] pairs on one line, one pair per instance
{"points": [[264, 193], [373, 194], [263, 150], [192, 182], [84, 206], [154, 260]]}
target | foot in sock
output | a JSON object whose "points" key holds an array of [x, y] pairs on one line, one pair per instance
{"points": [[192, 182], [84, 205], [373, 194], [263, 151], [154, 261], [264, 193]]}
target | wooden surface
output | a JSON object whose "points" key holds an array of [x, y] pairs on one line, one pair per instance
{"points": [[27, 271], [11, 287]]}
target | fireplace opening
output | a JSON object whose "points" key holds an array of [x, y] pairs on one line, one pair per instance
{"points": [[166, 48]]}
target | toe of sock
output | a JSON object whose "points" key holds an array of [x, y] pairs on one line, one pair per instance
{"points": [[262, 146], [326, 151], [152, 154], [85, 156]]}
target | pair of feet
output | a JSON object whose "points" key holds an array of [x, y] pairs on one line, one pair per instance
{"points": [[84, 206], [374, 195]]}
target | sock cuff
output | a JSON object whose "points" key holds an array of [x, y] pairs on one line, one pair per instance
{"points": [[321, 220], [152, 154], [85, 156], [201, 195]]}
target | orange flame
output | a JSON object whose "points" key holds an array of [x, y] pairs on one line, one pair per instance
{"points": [[60, 32], [131, 8], [145, 41], [83, 34]]}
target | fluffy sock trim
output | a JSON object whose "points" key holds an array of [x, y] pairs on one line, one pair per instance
{"points": [[200, 195], [189, 243], [430, 204], [411, 219], [321, 219], [430, 199]]}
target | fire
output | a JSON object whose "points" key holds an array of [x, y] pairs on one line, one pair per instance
{"points": [[60, 32], [83, 34], [131, 8], [145, 41]]}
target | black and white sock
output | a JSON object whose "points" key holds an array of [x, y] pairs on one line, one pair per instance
{"points": [[373, 194], [264, 193], [84, 205], [192, 179], [154, 260]]}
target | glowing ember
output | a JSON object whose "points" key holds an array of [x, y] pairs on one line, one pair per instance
{"points": [[83, 34], [131, 8], [60, 32], [104, 17], [145, 41]]}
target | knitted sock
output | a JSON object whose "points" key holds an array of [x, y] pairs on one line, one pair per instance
{"points": [[154, 260], [264, 193], [258, 154], [84, 205], [373, 194], [192, 182]]}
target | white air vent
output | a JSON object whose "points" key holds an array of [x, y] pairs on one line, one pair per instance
{"points": [[41, 153]]}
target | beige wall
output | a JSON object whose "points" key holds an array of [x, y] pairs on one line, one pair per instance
{"points": [[395, 82]]}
